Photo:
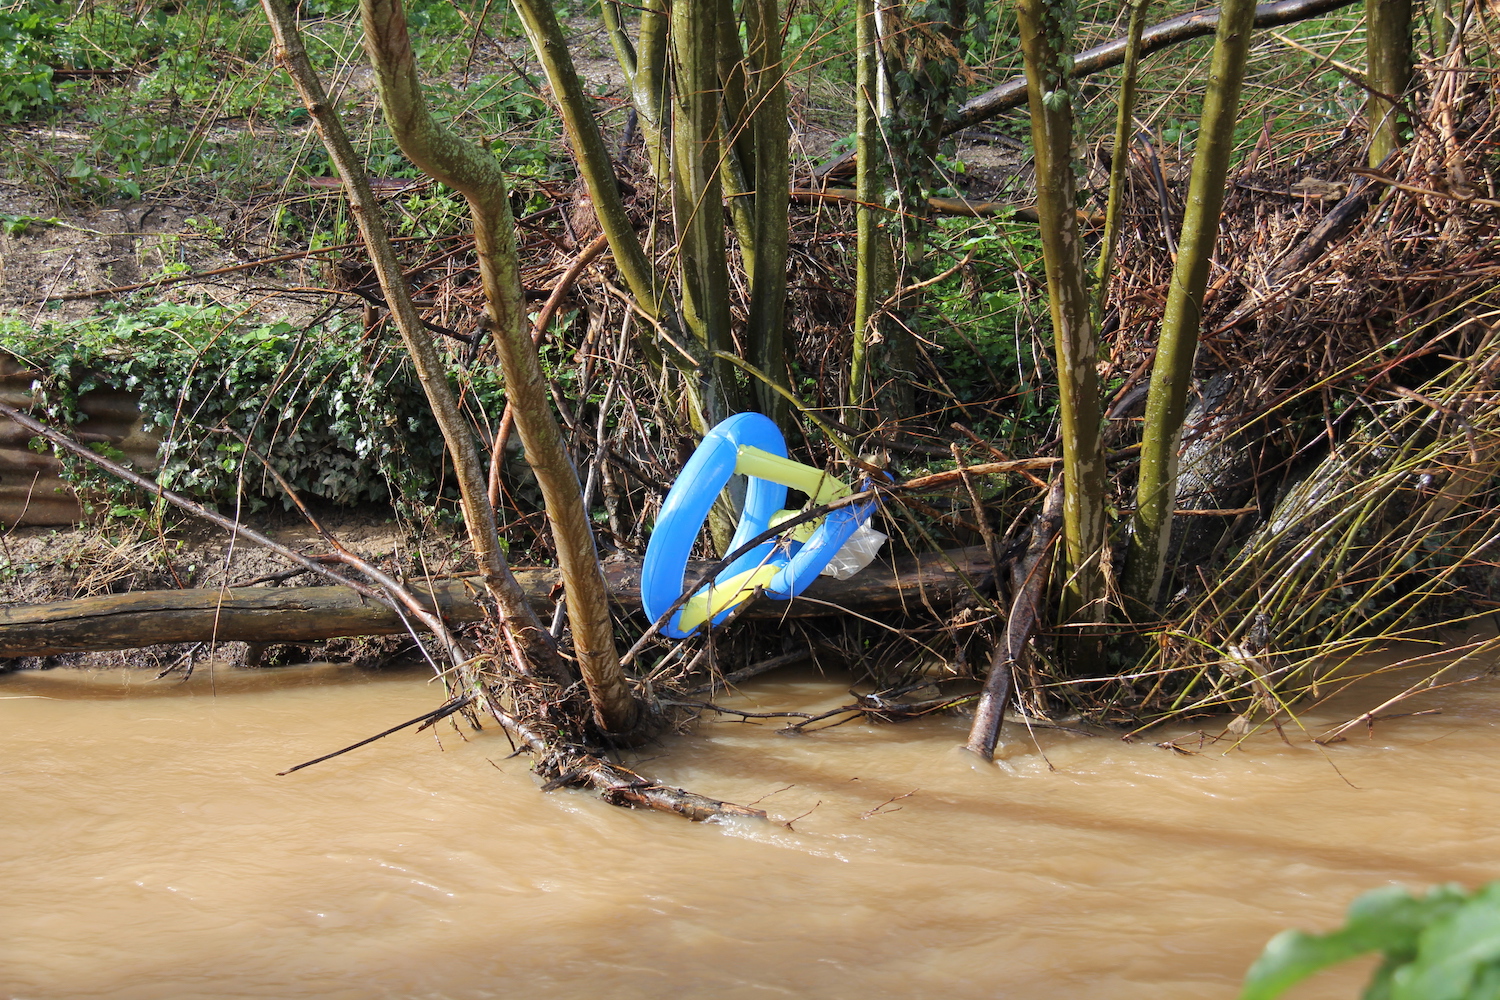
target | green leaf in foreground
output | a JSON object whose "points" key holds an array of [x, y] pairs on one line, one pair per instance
{"points": [[1444, 946]]}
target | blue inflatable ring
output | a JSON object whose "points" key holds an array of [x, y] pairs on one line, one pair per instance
{"points": [[781, 568]]}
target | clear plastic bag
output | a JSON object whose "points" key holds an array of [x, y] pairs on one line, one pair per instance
{"points": [[857, 553]]}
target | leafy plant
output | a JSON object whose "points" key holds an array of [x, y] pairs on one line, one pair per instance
{"points": [[17, 225], [25, 75], [977, 316], [1442, 946], [340, 416]]}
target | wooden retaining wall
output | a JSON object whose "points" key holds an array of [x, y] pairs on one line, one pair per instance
{"points": [[32, 490]]}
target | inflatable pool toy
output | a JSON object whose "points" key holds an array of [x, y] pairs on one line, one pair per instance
{"points": [[751, 445]]}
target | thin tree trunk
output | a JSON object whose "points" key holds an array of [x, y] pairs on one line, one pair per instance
{"points": [[593, 159], [518, 619], [1119, 166], [1442, 27], [1388, 47], [875, 267], [1172, 371], [475, 174], [594, 165], [697, 192], [1076, 342]]}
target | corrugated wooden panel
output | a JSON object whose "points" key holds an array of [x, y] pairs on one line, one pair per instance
{"points": [[31, 488]]}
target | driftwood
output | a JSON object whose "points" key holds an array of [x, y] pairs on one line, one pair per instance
{"points": [[1029, 581], [918, 585]]}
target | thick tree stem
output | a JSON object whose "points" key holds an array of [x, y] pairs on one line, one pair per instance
{"points": [[477, 176], [594, 164], [697, 192], [772, 179], [518, 619], [1077, 346], [1172, 372]]}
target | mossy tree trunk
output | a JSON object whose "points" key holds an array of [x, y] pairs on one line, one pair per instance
{"points": [[1388, 46], [1045, 27], [645, 65], [1172, 371], [476, 174], [697, 189], [770, 133]]}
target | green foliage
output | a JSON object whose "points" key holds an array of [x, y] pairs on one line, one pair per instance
{"points": [[26, 44], [17, 225], [1443, 946], [343, 419], [820, 39], [981, 317], [195, 65]]}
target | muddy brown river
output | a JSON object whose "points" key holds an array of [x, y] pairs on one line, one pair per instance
{"points": [[150, 851]]}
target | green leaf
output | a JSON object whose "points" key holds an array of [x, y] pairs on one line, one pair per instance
{"points": [[1453, 951], [1388, 919]]}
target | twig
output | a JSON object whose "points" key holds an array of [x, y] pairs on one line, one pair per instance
{"points": [[444, 710], [753, 670], [434, 622], [538, 330], [172, 279], [880, 810], [197, 510]]}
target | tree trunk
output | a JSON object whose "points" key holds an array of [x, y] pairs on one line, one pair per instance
{"points": [[645, 67], [764, 329], [1077, 345], [1119, 166], [875, 263], [697, 193], [476, 174], [598, 173], [912, 587], [1172, 372], [517, 617], [1388, 47]]}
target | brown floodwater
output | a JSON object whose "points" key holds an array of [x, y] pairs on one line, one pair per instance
{"points": [[148, 850]]}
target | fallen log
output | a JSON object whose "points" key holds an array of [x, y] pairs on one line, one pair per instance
{"points": [[913, 586]]}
